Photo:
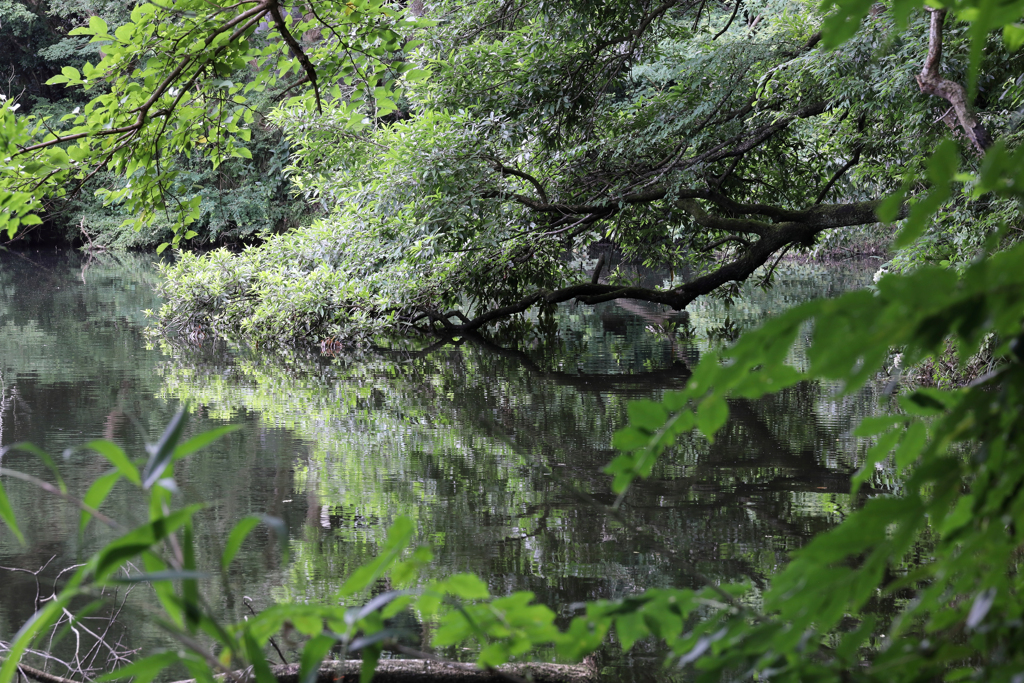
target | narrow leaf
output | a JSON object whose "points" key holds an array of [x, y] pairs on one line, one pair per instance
{"points": [[7, 514], [237, 536], [201, 441], [96, 494], [118, 458], [162, 451], [313, 655], [45, 457]]}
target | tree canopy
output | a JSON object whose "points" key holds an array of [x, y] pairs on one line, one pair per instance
{"points": [[703, 139], [700, 140], [163, 87]]}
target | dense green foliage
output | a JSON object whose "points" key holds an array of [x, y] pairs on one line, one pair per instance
{"points": [[946, 547], [241, 200], [185, 92], [670, 130]]}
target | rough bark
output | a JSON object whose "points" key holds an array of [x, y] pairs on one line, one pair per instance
{"points": [[931, 82]]}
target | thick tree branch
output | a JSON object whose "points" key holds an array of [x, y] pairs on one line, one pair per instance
{"points": [[773, 237], [275, 12], [931, 82], [706, 220]]}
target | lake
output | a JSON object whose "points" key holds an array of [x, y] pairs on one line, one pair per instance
{"points": [[494, 447]]}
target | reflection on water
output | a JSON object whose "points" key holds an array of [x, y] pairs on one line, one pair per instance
{"points": [[495, 451]]}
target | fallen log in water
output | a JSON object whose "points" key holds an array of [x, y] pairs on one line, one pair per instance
{"points": [[431, 671], [399, 671]]}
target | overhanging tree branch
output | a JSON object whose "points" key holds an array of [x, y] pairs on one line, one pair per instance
{"points": [[275, 12], [805, 226]]}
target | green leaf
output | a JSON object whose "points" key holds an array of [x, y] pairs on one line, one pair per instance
{"points": [[162, 452], [630, 628], [45, 457], [308, 624], [7, 515], [140, 539], [630, 438], [647, 415], [97, 493], [926, 402], [889, 209], [711, 415], [842, 24], [118, 458], [244, 527], [97, 25], [313, 655], [201, 441], [254, 654], [942, 166], [1013, 37], [237, 536], [371, 655], [874, 425], [911, 446], [960, 516], [467, 587], [398, 538]]}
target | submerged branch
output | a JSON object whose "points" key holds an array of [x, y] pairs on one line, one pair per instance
{"points": [[427, 671]]}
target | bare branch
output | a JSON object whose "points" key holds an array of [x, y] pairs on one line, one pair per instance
{"points": [[507, 170], [839, 174], [735, 11]]}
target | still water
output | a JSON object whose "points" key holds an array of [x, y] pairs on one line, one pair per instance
{"points": [[494, 450]]}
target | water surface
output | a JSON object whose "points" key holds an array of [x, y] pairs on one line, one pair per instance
{"points": [[495, 450]]}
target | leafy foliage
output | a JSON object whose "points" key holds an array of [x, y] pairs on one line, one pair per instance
{"points": [[961, 510], [164, 547], [166, 88], [962, 470], [706, 150]]}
